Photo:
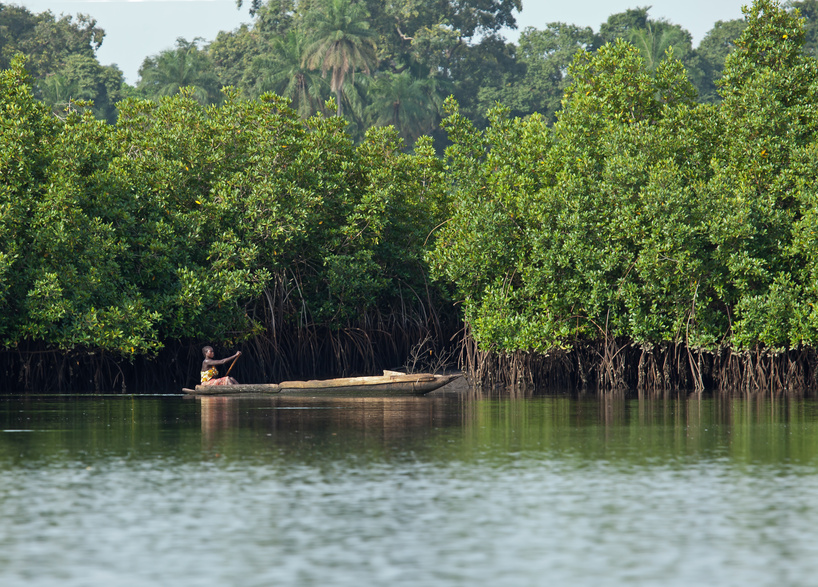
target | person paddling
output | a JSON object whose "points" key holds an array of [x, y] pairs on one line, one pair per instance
{"points": [[209, 371]]}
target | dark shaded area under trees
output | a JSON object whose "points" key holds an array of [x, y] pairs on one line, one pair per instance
{"points": [[652, 225]]}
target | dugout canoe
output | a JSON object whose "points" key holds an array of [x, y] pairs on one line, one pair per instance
{"points": [[390, 383]]}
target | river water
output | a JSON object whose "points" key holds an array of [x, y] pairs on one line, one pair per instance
{"points": [[446, 489]]}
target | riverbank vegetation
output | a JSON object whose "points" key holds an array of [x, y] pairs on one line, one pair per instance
{"points": [[646, 239], [635, 237], [238, 222], [385, 63]]}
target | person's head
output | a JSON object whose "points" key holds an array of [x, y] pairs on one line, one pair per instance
{"points": [[207, 351]]}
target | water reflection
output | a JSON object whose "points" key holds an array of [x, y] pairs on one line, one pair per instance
{"points": [[605, 427], [218, 414], [457, 428], [353, 423], [449, 489]]}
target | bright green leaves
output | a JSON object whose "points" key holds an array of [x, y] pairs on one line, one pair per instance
{"points": [[222, 198], [763, 166], [777, 318], [24, 132], [611, 84], [46, 303], [643, 215], [508, 319], [186, 221], [773, 39]]}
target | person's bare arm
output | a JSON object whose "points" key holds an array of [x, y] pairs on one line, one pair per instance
{"points": [[209, 362]]}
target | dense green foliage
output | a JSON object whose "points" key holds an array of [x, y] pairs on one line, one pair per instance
{"points": [[642, 214], [186, 221], [62, 59], [383, 62], [396, 62], [185, 66]]}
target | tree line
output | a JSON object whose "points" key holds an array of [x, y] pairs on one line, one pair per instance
{"points": [[226, 223], [383, 62], [646, 239], [642, 238]]}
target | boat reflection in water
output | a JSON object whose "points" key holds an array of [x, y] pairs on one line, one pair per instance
{"points": [[314, 420]]}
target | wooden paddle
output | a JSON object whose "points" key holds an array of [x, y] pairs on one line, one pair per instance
{"points": [[231, 366]]}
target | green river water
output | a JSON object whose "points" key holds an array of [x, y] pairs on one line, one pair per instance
{"points": [[447, 489]]}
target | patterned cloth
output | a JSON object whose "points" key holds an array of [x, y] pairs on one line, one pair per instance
{"points": [[219, 381], [209, 374]]}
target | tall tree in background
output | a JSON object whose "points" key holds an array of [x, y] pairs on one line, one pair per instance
{"points": [[283, 71], [45, 40], [184, 66], [807, 9], [445, 45], [81, 77], [471, 18], [622, 25], [233, 53], [341, 43], [544, 57], [409, 104], [61, 57], [719, 42], [478, 66], [653, 37], [657, 37]]}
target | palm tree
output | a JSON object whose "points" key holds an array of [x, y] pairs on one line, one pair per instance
{"points": [[655, 39], [409, 104], [58, 91], [342, 42], [282, 71], [184, 66]]}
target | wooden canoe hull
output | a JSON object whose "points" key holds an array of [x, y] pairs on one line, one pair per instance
{"points": [[390, 383], [234, 389]]}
